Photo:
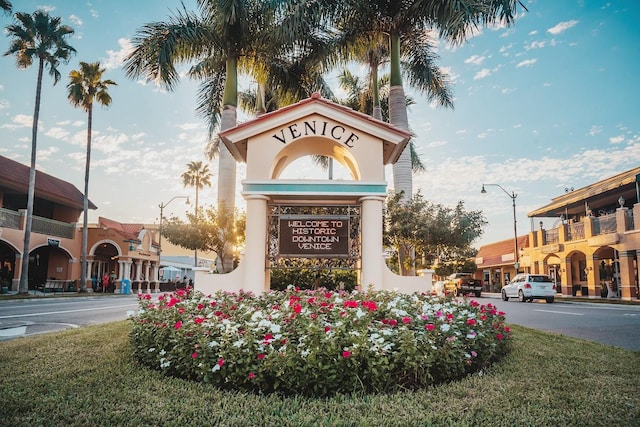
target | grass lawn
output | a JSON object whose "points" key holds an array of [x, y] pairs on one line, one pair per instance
{"points": [[86, 377]]}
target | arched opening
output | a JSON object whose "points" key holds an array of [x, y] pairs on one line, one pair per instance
{"points": [[7, 264]]}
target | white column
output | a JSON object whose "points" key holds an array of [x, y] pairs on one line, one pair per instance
{"points": [[256, 279], [371, 252], [139, 270], [156, 279], [89, 275]]}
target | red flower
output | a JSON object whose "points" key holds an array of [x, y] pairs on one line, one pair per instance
{"points": [[430, 327], [406, 320], [471, 322], [221, 362], [198, 320], [327, 329], [346, 354], [173, 301], [194, 354], [251, 375], [261, 356], [180, 310], [350, 304], [499, 337], [297, 308], [200, 306], [178, 325], [393, 322]]}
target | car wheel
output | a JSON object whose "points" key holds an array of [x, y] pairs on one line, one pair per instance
{"points": [[550, 300], [478, 293], [521, 297], [504, 296], [530, 299]]}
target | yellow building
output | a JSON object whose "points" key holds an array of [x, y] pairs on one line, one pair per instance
{"points": [[592, 249]]}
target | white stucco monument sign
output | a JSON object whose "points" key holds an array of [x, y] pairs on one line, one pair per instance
{"points": [[271, 142]]}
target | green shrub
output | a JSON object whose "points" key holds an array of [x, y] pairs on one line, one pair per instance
{"points": [[317, 343]]}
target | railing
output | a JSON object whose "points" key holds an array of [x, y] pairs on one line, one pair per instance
{"points": [[551, 236], [604, 224], [575, 231], [52, 227], [9, 219]]}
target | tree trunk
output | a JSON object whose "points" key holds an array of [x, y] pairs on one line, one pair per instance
{"points": [[85, 204], [24, 275]]}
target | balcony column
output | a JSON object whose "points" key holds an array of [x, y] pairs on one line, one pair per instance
{"points": [[562, 233], [89, 275], [636, 216], [621, 220], [156, 279], [592, 275], [567, 280], [627, 283], [15, 283], [588, 226], [372, 226]]}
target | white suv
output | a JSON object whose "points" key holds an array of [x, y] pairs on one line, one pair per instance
{"points": [[527, 287]]}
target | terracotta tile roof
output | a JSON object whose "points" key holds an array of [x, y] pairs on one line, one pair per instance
{"points": [[492, 253], [128, 231], [15, 176]]}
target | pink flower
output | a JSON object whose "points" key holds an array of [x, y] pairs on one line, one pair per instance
{"points": [[297, 308], [346, 354], [350, 304], [499, 337], [220, 362], [178, 325], [173, 301], [471, 322], [430, 327], [261, 356], [198, 320], [393, 322], [194, 354], [251, 375], [200, 306], [406, 320], [327, 329], [181, 310]]}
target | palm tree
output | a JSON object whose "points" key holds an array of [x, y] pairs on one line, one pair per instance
{"points": [[84, 87], [197, 175], [5, 5], [37, 36]]}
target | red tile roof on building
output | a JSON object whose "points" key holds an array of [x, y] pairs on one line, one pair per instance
{"points": [[15, 176], [492, 253], [128, 231]]}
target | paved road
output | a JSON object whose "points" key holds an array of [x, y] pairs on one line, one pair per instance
{"points": [[611, 324], [24, 317]]}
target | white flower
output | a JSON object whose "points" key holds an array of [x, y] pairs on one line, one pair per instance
{"points": [[238, 343], [152, 349], [213, 344], [162, 352], [275, 328], [215, 368], [445, 327]]}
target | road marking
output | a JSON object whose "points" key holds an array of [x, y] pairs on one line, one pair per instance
{"points": [[561, 312], [13, 332], [68, 311]]}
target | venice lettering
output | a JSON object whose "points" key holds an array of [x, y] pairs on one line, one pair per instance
{"points": [[337, 132]]}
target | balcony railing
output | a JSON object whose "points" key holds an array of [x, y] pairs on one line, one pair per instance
{"points": [[9, 219], [52, 227], [604, 224], [575, 231], [551, 236]]}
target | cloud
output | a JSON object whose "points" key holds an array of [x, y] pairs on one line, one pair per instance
{"points": [[115, 57], [75, 20], [4, 104], [526, 63], [535, 45], [595, 130], [57, 133], [616, 139], [562, 27], [485, 72], [435, 144], [19, 121], [475, 60]]}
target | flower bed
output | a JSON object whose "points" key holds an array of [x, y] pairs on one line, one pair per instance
{"points": [[317, 343]]}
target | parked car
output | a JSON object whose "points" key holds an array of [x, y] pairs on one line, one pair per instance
{"points": [[463, 283], [527, 287]]}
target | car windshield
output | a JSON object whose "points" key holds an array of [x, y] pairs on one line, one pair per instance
{"points": [[539, 279]]}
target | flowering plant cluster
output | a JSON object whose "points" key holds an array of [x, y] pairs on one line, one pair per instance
{"points": [[317, 343]]}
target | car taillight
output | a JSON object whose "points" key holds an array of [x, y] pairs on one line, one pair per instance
{"points": [[527, 286]]}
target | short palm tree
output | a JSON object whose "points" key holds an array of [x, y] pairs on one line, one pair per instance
{"points": [[5, 5], [197, 175], [43, 38], [86, 86]]}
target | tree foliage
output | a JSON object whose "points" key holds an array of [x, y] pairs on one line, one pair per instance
{"points": [[437, 232], [213, 230]]}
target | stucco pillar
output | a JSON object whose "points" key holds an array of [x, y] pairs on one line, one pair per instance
{"points": [[156, 279], [256, 278], [627, 275], [592, 275], [567, 279], [371, 232]]}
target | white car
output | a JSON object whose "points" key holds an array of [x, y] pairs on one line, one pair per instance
{"points": [[527, 287]]}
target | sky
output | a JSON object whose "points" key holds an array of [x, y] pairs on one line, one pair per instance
{"points": [[542, 107]]}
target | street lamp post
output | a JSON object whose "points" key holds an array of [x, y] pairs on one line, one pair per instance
{"points": [[513, 196], [162, 206]]}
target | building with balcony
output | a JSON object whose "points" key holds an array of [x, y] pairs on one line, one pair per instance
{"points": [[55, 241], [592, 248]]}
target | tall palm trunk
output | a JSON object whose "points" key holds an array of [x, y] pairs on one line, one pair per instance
{"points": [[85, 203], [402, 174], [24, 274], [375, 91]]}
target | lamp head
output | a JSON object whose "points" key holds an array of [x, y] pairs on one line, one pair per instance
{"points": [[187, 202], [483, 191]]}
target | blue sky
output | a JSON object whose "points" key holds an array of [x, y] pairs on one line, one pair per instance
{"points": [[550, 103]]}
